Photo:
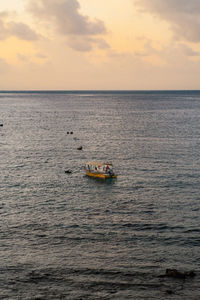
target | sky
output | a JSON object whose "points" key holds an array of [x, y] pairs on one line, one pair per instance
{"points": [[99, 44]]}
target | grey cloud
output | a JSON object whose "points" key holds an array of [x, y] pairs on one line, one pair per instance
{"points": [[164, 52], [102, 44], [182, 15], [80, 30], [22, 31], [3, 31], [86, 43], [18, 29], [188, 51], [80, 44]]}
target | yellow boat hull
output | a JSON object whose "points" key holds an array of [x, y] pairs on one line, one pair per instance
{"points": [[100, 175]]}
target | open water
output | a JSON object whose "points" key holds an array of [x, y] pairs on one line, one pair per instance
{"points": [[66, 236]]}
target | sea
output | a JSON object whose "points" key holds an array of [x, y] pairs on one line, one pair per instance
{"points": [[64, 235]]}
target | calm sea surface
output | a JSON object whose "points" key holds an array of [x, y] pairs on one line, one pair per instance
{"points": [[67, 236]]}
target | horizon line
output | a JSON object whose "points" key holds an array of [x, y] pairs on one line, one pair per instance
{"points": [[96, 90]]}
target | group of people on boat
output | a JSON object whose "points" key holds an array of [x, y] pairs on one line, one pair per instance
{"points": [[99, 168]]}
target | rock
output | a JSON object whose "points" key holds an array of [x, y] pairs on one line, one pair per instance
{"points": [[80, 148], [177, 274], [68, 172], [190, 273], [1, 125], [174, 273]]}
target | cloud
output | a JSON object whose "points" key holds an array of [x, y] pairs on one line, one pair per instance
{"points": [[22, 31], [188, 51], [22, 57], [41, 56], [148, 49], [182, 15], [4, 66], [86, 43], [79, 29], [17, 29]]}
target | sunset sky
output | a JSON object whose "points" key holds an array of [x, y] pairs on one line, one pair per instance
{"points": [[99, 44]]}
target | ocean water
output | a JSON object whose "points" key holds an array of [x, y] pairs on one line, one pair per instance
{"points": [[67, 236]]}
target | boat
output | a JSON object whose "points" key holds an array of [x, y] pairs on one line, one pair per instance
{"points": [[99, 169]]}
